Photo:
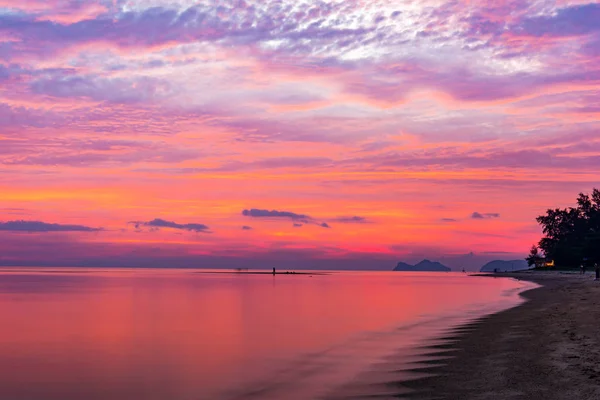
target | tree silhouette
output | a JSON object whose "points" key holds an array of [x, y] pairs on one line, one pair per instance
{"points": [[535, 257], [572, 235]]}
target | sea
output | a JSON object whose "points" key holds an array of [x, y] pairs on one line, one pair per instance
{"points": [[186, 334]]}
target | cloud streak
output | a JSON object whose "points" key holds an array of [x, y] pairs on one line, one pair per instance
{"points": [[300, 219], [351, 220], [477, 215], [259, 213], [161, 223], [43, 227]]}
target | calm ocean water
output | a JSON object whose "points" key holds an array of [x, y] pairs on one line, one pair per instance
{"points": [[181, 334]]}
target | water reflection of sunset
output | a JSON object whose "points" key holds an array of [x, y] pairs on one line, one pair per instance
{"points": [[157, 334]]}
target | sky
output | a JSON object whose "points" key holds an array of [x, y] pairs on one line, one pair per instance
{"points": [[304, 134]]}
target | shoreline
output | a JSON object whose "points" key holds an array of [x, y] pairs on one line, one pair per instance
{"points": [[545, 348]]}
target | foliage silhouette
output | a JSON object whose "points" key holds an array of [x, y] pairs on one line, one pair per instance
{"points": [[535, 257]]}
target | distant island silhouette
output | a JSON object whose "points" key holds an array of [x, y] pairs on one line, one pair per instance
{"points": [[423, 266], [504, 266]]}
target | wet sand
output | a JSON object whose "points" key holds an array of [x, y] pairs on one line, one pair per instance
{"points": [[548, 348]]}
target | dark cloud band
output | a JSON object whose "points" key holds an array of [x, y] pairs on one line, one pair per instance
{"points": [[258, 213], [39, 226], [477, 215], [161, 223]]}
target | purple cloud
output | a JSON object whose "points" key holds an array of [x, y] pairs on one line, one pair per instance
{"points": [[300, 219], [74, 152], [270, 163], [592, 48], [4, 73], [115, 90], [39, 226], [481, 158], [477, 215], [569, 21], [87, 159], [24, 117], [304, 34], [351, 220], [161, 223], [257, 213], [235, 25]]}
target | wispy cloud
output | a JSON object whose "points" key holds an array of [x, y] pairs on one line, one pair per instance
{"points": [[351, 220]]}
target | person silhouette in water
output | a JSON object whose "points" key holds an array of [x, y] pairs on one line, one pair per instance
{"points": [[273, 270]]}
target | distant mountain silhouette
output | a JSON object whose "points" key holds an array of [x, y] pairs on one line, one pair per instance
{"points": [[404, 267], [424, 265], [505, 266]]}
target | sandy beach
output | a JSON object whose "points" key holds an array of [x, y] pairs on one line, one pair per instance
{"points": [[548, 348]]}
